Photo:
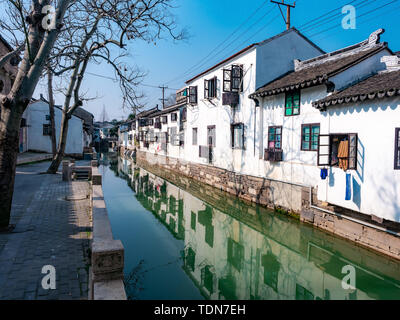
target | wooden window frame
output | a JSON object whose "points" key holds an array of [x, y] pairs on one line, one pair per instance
{"points": [[164, 119], [310, 126], [228, 77], [331, 136], [275, 127], [210, 88], [290, 96], [46, 129], [174, 117], [193, 94], [226, 83], [237, 77], [397, 149]]}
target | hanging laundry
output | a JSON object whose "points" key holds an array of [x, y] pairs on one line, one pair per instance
{"points": [[348, 187], [343, 155], [324, 173]]}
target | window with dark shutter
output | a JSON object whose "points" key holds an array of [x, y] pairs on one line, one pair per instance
{"points": [[210, 88], [233, 79], [227, 80], [397, 149], [193, 95], [237, 75], [292, 103], [47, 130]]}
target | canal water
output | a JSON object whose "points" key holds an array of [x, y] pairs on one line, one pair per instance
{"points": [[185, 240]]}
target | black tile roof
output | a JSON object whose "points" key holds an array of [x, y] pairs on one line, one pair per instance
{"points": [[381, 85], [315, 74]]}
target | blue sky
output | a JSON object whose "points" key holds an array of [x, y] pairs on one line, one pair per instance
{"points": [[211, 22]]}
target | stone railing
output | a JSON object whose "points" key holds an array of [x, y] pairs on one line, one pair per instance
{"points": [[107, 268], [107, 261]]}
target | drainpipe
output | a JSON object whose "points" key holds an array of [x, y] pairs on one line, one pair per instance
{"points": [[397, 234], [257, 104]]}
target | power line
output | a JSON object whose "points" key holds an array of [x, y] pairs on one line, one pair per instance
{"points": [[388, 12], [140, 84], [324, 22], [325, 14], [221, 44], [257, 32], [228, 45], [288, 7], [163, 95], [364, 14]]}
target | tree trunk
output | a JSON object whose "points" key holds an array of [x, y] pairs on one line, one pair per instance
{"points": [[51, 110], [62, 142], [10, 121]]}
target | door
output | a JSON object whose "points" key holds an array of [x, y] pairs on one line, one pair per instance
{"points": [[211, 140]]}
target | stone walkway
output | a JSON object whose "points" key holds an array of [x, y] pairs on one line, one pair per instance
{"points": [[53, 227]]}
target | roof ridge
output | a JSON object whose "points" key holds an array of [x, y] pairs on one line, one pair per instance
{"points": [[372, 41]]}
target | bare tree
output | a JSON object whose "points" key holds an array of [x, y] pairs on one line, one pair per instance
{"points": [[51, 111], [26, 26], [171, 100], [98, 33]]}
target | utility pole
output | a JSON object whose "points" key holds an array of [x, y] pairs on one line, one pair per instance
{"points": [[288, 7], [163, 95]]}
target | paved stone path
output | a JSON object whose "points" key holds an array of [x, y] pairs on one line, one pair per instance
{"points": [[50, 230]]}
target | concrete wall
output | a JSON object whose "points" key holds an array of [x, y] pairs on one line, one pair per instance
{"points": [[35, 116], [254, 189]]}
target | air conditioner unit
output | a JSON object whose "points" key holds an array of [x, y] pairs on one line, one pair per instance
{"points": [[273, 155], [230, 98]]}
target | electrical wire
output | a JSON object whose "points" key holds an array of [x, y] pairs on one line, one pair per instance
{"points": [[325, 14], [205, 59], [364, 14], [386, 13], [140, 84], [335, 16]]}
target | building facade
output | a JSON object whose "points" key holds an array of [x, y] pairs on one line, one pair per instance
{"points": [[311, 132], [37, 130]]}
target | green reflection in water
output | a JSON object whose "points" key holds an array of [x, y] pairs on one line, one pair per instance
{"points": [[200, 242]]}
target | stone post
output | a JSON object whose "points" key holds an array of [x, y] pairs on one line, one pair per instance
{"points": [[66, 176]]}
